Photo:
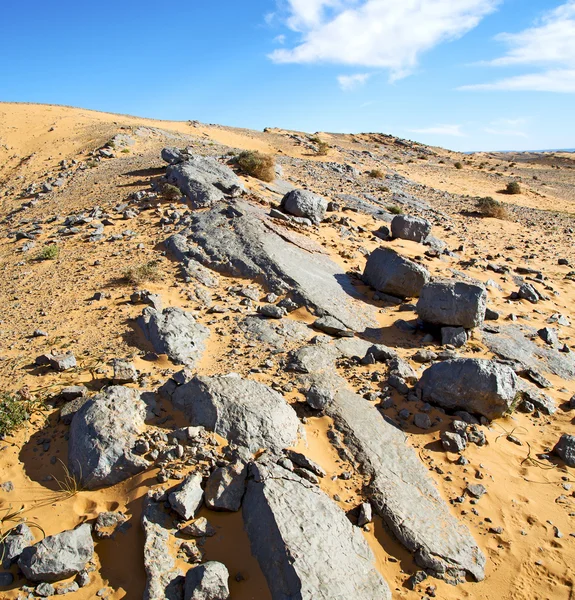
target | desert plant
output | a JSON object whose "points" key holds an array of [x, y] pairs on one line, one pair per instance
{"points": [[322, 147], [489, 207], [376, 174], [13, 413], [256, 164], [50, 252], [148, 271], [170, 192], [70, 485], [458, 165], [513, 188], [394, 210]]}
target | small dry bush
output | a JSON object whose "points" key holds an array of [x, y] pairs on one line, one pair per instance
{"points": [[513, 188], [256, 164], [458, 165], [322, 147], [149, 271], [170, 192], [50, 252], [376, 174], [489, 207], [394, 210]]}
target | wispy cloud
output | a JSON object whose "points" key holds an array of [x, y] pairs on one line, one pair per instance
{"points": [[550, 44], [389, 34], [352, 82], [453, 130]]}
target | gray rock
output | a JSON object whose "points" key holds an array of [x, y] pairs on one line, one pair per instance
{"points": [[187, 497], [58, 556], [422, 421], [452, 303], [318, 397], [303, 203], [107, 523], [549, 336], [272, 311], [453, 336], [73, 392], [453, 442], [275, 334], [529, 293], [476, 490], [475, 385], [163, 580], [102, 435], [332, 326], [390, 273], [6, 579], [411, 228], [58, 362], [174, 332], [124, 371], [146, 297], [199, 528], [225, 488], [305, 544], [301, 460], [171, 155], [45, 590], [203, 180], [565, 449], [207, 582], [69, 409], [12, 545], [365, 514], [242, 242], [244, 412]]}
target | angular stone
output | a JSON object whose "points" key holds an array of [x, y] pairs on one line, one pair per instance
{"points": [[58, 556], [102, 435], [565, 449], [72, 392], [124, 371], [244, 412], [303, 203], [452, 303], [304, 542], [14, 543], [187, 498], [301, 460], [390, 273], [411, 228], [174, 332], [475, 385], [365, 514], [332, 326], [318, 397], [207, 582], [199, 528], [225, 488], [453, 442], [453, 336]]}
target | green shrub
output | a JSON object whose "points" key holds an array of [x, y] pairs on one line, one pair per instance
{"points": [[322, 147], [458, 165], [376, 174], [256, 164], [13, 413], [170, 192], [394, 210], [148, 271], [490, 207], [51, 252], [513, 188]]}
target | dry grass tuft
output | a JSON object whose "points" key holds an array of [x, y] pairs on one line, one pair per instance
{"points": [[376, 174], [489, 207], [137, 274], [256, 164]]}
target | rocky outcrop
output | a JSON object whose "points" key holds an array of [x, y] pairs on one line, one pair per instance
{"points": [[244, 412], [452, 303], [303, 203], [241, 241], [474, 385], [102, 434], [410, 228], [390, 273], [58, 556], [225, 488], [207, 582], [174, 332], [306, 546]]}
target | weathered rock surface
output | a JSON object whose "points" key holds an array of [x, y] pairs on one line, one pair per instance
{"points": [[203, 180], [276, 334], [305, 544], [207, 582], [187, 497], [565, 449], [13, 544], [452, 303], [241, 242], [475, 385], [410, 228], [164, 581], [58, 556], [225, 488], [244, 412], [390, 273], [303, 203], [102, 434], [174, 332]]}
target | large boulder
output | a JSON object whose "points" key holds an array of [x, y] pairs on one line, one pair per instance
{"points": [[305, 544], [452, 303], [245, 412], [390, 273], [302, 203], [203, 180], [58, 556], [241, 241], [207, 582], [174, 332], [475, 385], [102, 435], [410, 228]]}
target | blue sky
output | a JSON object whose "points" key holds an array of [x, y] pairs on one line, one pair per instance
{"points": [[463, 74]]}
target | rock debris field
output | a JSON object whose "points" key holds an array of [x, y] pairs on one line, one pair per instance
{"points": [[345, 381]]}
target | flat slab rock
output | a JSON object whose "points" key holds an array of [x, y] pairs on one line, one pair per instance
{"points": [[102, 434], [401, 490], [237, 241], [245, 412], [174, 332], [305, 544]]}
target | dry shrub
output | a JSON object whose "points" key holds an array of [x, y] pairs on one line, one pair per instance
{"points": [[170, 192], [513, 188], [137, 274], [489, 207], [376, 174], [256, 164]]}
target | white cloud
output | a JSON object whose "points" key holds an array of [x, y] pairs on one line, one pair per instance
{"points": [[550, 43], [377, 33], [352, 82], [280, 39], [453, 130], [505, 132]]}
